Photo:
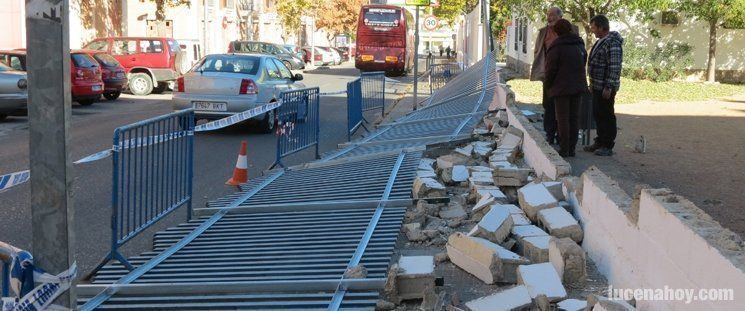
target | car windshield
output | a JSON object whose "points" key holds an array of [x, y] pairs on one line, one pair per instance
{"points": [[106, 59], [229, 63], [83, 60], [382, 17]]}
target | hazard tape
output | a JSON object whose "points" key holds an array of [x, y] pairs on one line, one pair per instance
{"points": [[13, 179], [239, 117], [332, 93]]}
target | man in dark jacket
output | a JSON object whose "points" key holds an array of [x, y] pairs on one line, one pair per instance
{"points": [[565, 82], [604, 68]]}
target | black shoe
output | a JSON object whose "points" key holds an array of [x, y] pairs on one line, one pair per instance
{"points": [[592, 148], [605, 152]]}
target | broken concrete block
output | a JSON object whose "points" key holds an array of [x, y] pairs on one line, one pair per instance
{"points": [[413, 232], [510, 262], [541, 302], [480, 131], [482, 206], [480, 152], [453, 211], [427, 188], [613, 305], [541, 279], [499, 157], [426, 174], [535, 248], [481, 179], [568, 259], [512, 208], [356, 272], [416, 273], [465, 150], [441, 257], [495, 226], [510, 140], [571, 305], [514, 298], [384, 305], [426, 164], [450, 160], [501, 165], [555, 188], [478, 192], [521, 232], [560, 223], [535, 197], [479, 168], [460, 173], [511, 176], [503, 118], [520, 220], [476, 256]]}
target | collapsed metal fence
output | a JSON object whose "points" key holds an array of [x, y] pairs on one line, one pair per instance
{"points": [[440, 74], [151, 175], [298, 122]]}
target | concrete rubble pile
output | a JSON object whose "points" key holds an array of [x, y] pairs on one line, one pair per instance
{"points": [[498, 221]]}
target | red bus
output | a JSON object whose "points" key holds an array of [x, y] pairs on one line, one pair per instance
{"points": [[385, 39]]}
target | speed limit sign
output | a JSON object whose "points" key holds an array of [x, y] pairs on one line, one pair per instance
{"points": [[430, 23]]}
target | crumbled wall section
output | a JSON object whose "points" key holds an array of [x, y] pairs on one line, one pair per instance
{"points": [[538, 153], [663, 240]]}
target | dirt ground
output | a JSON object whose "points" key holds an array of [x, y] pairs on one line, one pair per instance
{"points": [[696, 149]]}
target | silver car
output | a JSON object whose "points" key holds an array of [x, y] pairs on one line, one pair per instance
{"points": [[221, 85], [13, 94]]}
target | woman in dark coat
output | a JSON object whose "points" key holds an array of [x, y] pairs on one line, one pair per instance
{"points": [[565, 79]]}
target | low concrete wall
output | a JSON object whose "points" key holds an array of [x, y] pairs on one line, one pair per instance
{"points": [[658, 240], [538, 153]]}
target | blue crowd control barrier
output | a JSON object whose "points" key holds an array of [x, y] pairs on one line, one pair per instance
{"points": [[373, 90], [151, 175], [298, 122]]}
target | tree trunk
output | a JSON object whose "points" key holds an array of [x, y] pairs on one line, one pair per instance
{"points": [[160, 10], [711, 65]]}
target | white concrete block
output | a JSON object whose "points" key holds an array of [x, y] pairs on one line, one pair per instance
{"points": [[613, 305], [476, 256], [571, 305], [510, 140], [482, 206], [510, 262], [450, 160], [527, 231], [541, 279], [480, 152], [569, 260], [465, 150], [555, 188], [515, 298], [479, 169], [460, 173], [426, 164], [481, 179], [493, 191], [560, 223], [535, 248], [426, 174], [428, 187], [416, 274], [495, 226], [520, 220], [535, 197]]}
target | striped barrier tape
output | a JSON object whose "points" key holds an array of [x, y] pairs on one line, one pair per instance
{"points": [[239, 117], [332, 93], [13, 179]]}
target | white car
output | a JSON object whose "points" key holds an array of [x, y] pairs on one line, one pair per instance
{"points": [[13, 93], [221, 85], [334, 55]]}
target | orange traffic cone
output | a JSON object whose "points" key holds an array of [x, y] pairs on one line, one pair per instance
{"points": [[240, 173]]}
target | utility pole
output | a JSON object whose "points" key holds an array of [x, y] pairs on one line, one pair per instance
{"points": [[49, 110], [416, 54], [204, 26]]}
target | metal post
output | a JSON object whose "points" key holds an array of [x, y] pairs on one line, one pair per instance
{"points": [[313, 43], [48, 67], [204, 27], [416, 54]]}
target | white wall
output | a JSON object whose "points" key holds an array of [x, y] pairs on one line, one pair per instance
{"points": [[13, 24]]}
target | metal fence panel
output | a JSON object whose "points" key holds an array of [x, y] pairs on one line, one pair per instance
{"points": [[5, 277], [440, 74], [373, 90], [297, 122], [354, 107], [151, 175]]}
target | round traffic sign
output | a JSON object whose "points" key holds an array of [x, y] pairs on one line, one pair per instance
{"points": [[430, 23]]}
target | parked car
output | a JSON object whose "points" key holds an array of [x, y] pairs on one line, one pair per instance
{"points": [[86, 84], [13, 94], [275, 50], [221, 85], [322, 57], [294, 49], [150, 62], [344, 52], [335, 56], [112, 73]]}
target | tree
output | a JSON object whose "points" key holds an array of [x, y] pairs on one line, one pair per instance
{"points": [[162, 5], [338, 16], [716, 13], [449, 10], [289, 12]]}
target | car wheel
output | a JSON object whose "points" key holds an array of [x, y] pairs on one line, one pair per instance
{"points": [[289, 66], [267, 124], [3, 116], [112, 95], [140, 84], [160, 88], [86, 102]]}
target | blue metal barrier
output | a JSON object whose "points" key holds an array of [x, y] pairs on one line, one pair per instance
{"points": [[373, 90], [151, 175], [440, 74], [298, 122], [5, 277], [354, 108]]}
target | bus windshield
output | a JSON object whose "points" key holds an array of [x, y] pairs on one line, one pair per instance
{"points": [[382, 17]]}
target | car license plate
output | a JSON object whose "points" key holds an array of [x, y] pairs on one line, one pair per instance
{"points": [[96, 88], [211, 106], [391, 59], [367, 58]]}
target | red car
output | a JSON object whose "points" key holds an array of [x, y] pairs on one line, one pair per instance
{"points": [[150, 63], [113, 74], [86, 84]]}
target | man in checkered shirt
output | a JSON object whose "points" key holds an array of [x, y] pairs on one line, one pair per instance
{"points": [[604, 68]]}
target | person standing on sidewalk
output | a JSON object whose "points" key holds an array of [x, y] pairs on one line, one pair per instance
{"points": [[546, 36], [604, 68], [441, 50], [565, 82]]}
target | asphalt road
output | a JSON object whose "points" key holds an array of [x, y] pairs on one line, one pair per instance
{"points": [[215, 154]]}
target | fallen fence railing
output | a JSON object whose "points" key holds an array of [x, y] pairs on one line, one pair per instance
{"points": [[441, 74], [298, 122], [151, 176]]}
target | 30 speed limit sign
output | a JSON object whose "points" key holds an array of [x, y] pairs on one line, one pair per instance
{"points": [[430, 23]]}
